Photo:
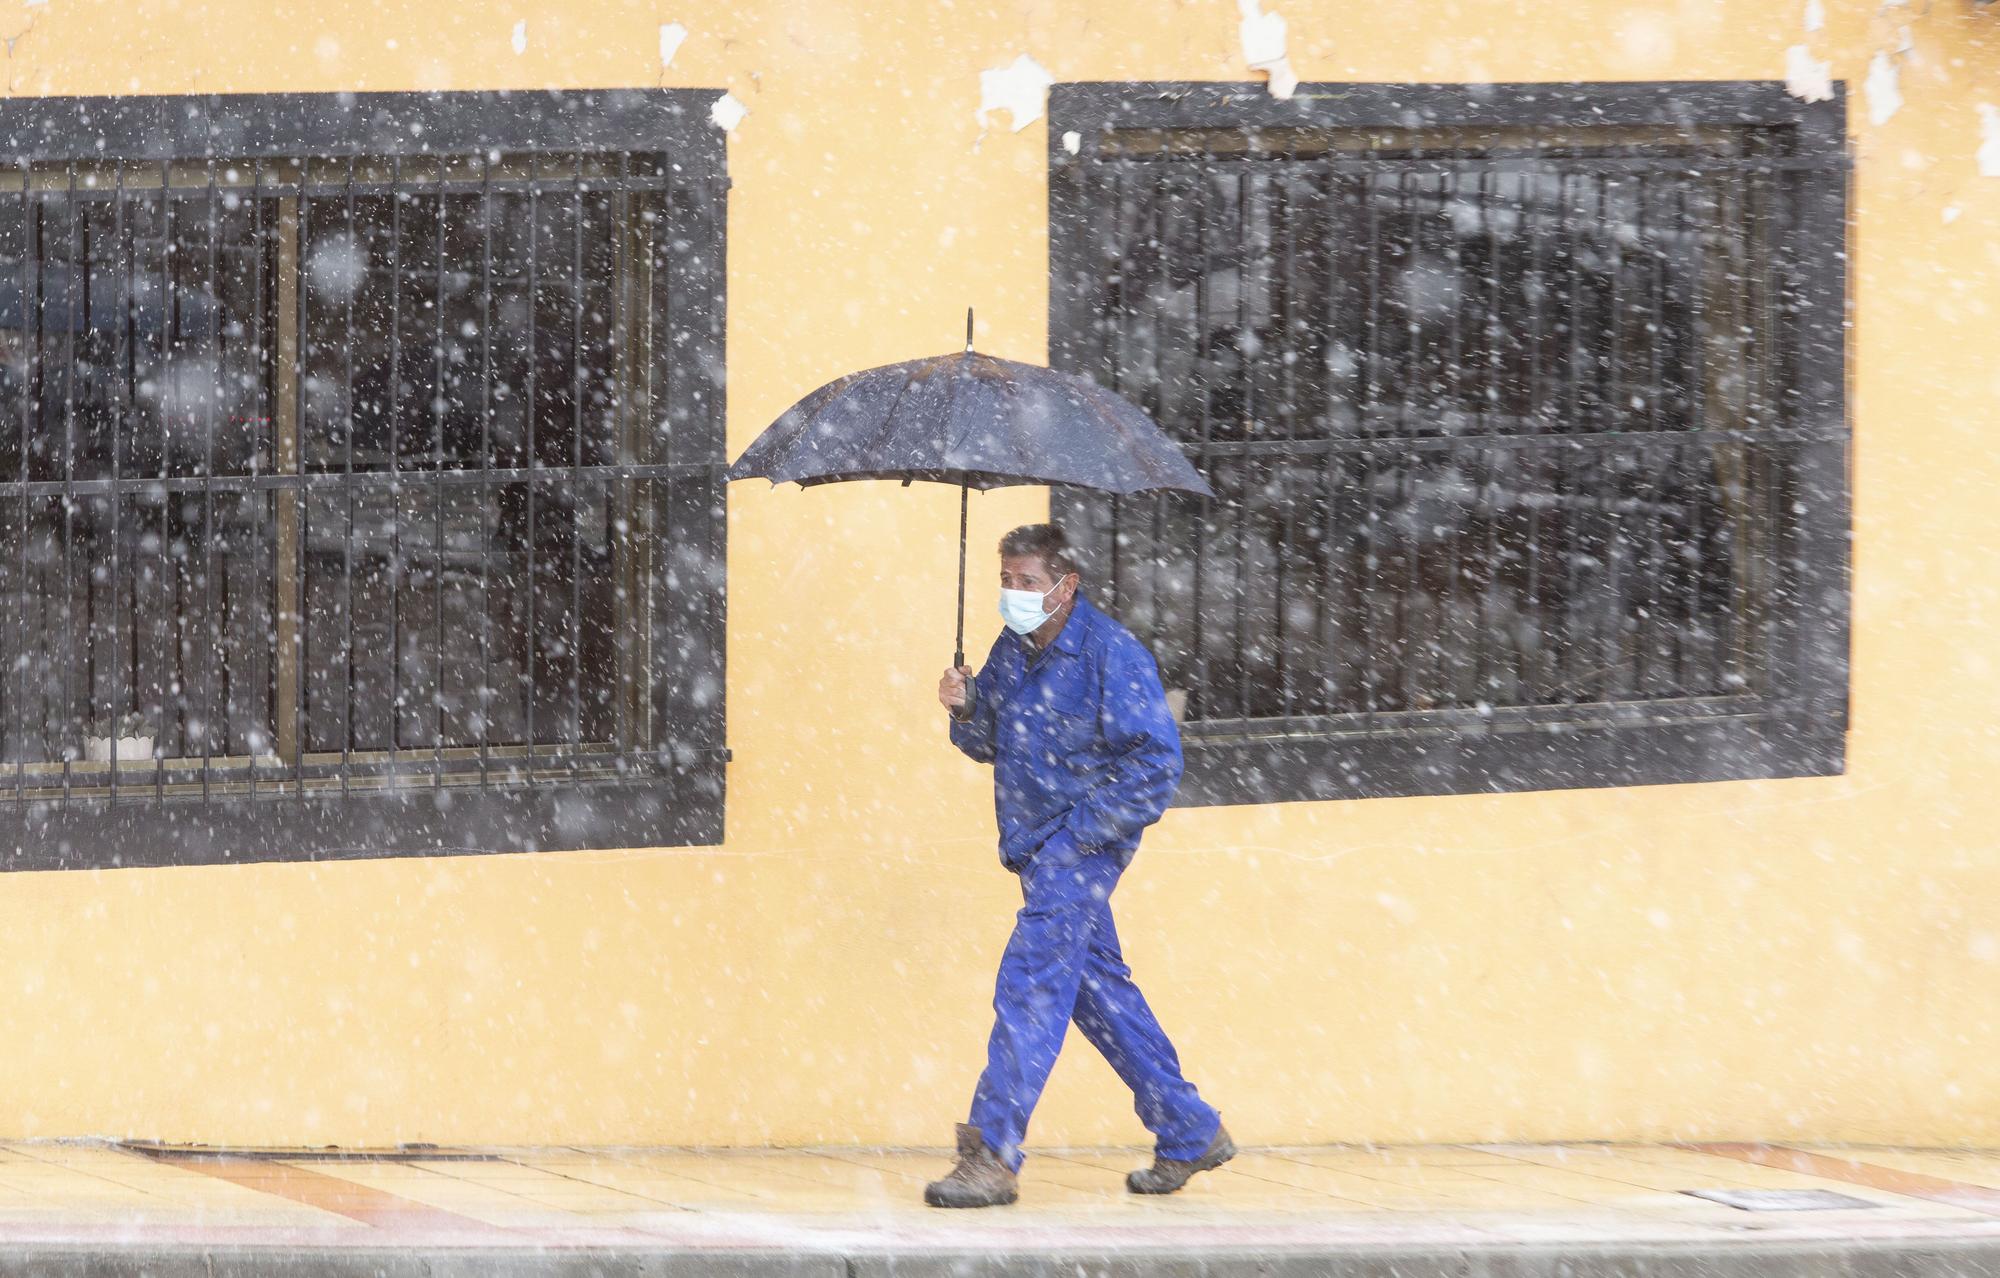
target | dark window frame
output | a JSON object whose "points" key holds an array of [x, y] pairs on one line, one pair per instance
{"points": [[1801, 729], [667, 790]]}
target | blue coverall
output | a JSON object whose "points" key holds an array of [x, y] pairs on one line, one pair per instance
{"points": [[1085, 755]]}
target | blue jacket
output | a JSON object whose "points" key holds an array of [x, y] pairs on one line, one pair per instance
{"points": [[1085, 753]]}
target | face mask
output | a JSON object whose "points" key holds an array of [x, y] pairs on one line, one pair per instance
{"points": [[1022, 609]]}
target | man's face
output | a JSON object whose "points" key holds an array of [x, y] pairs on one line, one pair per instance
{"points": [[1028, 572]]}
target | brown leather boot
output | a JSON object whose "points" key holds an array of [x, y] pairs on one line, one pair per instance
{"points": [[979, 1180], [1168, 1174]]}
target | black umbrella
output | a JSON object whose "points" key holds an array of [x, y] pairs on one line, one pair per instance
{"points": [[974, 421]]}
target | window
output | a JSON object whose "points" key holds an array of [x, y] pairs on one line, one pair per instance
{"points": [[1523, 405], [359, 475]]}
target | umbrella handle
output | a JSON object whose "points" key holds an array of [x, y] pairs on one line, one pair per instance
{"points": [[958, 649]]}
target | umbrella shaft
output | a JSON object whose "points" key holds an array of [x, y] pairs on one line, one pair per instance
{"points": [[958, 649]]}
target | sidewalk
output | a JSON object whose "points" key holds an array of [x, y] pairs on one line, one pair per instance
{"points": [[1575, 1210]]}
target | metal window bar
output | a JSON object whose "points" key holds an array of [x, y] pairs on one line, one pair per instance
{"points": [[205, 636], [1160, 221], [261, 666], [1494, 326], [394, 422], [30, 311], [1285, 310], [1409, 215], [578, 494], [1247, 411], [1449, 639], [74, 295], [1371, 322], [1646, 674], [483, 710], [1118, 249], [295, 522], [437, 412], [1204, 187], [532, 460], [112, 707], [346, 602]]}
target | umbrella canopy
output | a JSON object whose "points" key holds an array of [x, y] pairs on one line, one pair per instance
{"points": [[974, 421]]}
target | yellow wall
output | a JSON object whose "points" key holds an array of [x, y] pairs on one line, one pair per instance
{"points": [[1783, 959]]}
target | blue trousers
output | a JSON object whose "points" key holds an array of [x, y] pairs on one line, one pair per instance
{"points": [[1061, 964]]}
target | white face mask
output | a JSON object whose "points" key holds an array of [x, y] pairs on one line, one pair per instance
{"points": [[1022, 609]]}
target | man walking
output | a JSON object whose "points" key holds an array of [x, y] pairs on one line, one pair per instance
{"points": [[1070, 712]]}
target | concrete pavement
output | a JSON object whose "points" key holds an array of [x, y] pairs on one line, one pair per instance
{"points": [[1473, 1211]]}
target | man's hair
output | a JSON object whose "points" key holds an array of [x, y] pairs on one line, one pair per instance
{"points": [[1047, 542]]}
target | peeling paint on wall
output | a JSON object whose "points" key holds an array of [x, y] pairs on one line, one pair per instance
{"points": [[1020, 88], [1263, 38], [1807, 77], [672, 36], [728, 112], [1885, 95]]}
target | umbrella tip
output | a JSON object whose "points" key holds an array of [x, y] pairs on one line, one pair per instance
{"points": [[968, 330]]}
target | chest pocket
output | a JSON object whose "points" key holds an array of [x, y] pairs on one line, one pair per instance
{"points": [[1068, 717]]}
